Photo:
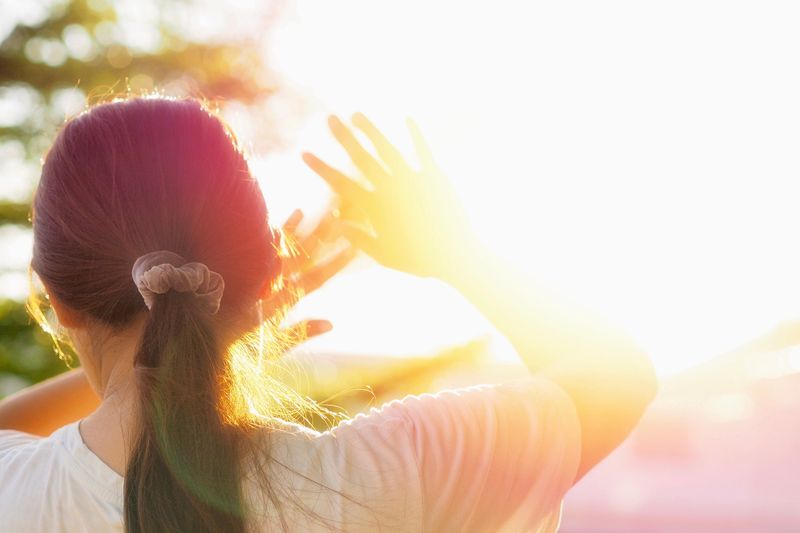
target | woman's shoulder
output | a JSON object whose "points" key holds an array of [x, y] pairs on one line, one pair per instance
{"points": [[405, 415], [403, 430], [14, 441], [36, 471], [63, 456], [21, 451], [24, 469], [531, 398], [360, 474], [28, 454], [431, 454]]}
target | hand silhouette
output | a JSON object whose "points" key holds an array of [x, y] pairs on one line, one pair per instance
{"points": [[404, 218], [304, 268]]}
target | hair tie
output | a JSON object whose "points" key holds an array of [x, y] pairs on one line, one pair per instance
{"points": [[161, 271]]}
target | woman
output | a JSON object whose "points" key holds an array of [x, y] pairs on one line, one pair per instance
{"points": [[153, 244]]}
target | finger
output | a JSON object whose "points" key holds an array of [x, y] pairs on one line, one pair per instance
{"points": [[328, 232], [391, 155], [290, 252], [289, 245], [295, 286], [320, 274], [306, 329], [362, 159], [421, 146], [317, 327], [339, 182], [290, 226], [281, 301]]}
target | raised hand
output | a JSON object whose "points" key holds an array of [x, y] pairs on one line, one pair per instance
{"points": [[305, 268], [405, 218], [410, 220]]}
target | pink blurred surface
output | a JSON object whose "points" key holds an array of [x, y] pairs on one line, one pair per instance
{"points": [[716, 452]]}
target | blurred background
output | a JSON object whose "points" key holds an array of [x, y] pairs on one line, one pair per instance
{"points": [[640, 157]]}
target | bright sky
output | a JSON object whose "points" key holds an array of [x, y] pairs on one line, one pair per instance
{"points": [[640, 155]]}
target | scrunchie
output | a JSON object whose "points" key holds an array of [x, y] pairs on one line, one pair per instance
{"points": [[161, 271]]}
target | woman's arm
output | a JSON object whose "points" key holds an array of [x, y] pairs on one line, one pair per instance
{"points": [[46, 406], [610, 380], [411, 220]]}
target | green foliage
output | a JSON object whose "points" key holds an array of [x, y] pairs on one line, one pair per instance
{"points": [[231, 70], [26, 354], [14, 213]]}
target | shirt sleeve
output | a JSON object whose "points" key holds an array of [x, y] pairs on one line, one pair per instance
{"points": [[10, 439], [494, 457]]}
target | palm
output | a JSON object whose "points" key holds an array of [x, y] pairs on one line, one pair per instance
{"points": [[406, 219]]}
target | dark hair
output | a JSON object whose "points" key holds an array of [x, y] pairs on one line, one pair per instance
{"points": [[131, 176]]}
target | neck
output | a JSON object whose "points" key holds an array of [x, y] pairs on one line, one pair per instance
{"points": [[110, 430]]}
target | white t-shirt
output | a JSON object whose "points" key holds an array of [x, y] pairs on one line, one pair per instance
{"points": [[481, 458]]}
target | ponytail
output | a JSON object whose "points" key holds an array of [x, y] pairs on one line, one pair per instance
{"points": [[183, 472]]}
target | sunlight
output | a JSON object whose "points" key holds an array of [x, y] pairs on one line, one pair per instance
{"points": [[624, 170], [629, 167]]}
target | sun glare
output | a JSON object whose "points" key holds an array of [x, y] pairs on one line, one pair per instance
{"points": [[620, 163]]}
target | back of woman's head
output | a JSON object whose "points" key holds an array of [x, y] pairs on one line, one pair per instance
{"points": [[129, 177]]}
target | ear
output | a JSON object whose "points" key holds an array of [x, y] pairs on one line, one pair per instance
{"points": [[69, 318]]}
